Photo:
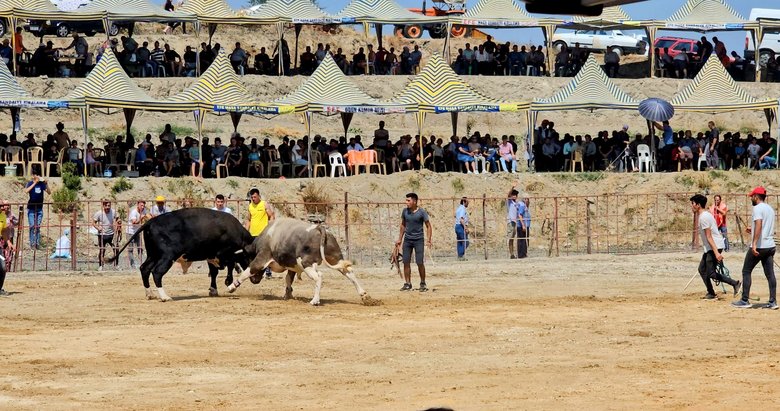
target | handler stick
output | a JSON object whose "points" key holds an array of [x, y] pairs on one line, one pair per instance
{"points": [[690, 281], [739, 229]]}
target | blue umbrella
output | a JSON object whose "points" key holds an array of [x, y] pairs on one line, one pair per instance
{"points": [[656, 109]]}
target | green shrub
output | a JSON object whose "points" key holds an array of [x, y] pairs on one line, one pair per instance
{"points": [[65, 198], [122, 184]]}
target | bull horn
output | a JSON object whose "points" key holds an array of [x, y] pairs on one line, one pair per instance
{"points": [[238, 252]]}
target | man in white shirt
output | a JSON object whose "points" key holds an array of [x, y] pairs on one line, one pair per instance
{"points": [[681, 63], [105, 222], [713, 244], [137, 216], [762, 249], [159, 208], [354, 145], [219, 205]]}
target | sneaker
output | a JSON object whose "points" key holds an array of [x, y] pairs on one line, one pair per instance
{"points": [[423, 288], [3, 292], [770, 305], [737, 287], [468, 172], [741, 304], [100, 268], [710, 297], [406, 287]]}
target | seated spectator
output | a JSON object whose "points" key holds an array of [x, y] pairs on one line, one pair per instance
{"points": [[238, 59], [158, 57], [255, 160], [235, 158], [144, 58], [263, 64], [6, 53], [612, 63], [42, 62], [466, 157], [173, 61], [507, 155], [359, 62], [193, 152], [218, 152], [73, 155], [308, 62], [341, 61], [517, 61], [89, 157], [190, 62], [206, 56]]}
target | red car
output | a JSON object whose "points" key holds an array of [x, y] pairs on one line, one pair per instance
{"points": [[675, 45]]}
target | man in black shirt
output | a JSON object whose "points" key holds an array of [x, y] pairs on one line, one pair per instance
{"points": [[190, 62]]}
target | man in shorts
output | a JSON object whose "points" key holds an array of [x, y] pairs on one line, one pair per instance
{"points": [[712, 241], [762, 249], [137, 216], [106, 222], [412, 236]]}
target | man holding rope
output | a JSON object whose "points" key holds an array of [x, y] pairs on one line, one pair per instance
{"points": [[762, 249], [713, 244], [412, 236]]}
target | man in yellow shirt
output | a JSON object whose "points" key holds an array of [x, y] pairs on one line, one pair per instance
{"points": [[259, 215]]}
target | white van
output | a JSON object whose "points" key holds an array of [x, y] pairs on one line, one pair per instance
{"points": [[770, 42]]}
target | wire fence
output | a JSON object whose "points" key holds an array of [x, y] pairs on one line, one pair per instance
{"points": [[366, 231]]}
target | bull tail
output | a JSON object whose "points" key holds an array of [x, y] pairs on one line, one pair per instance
{"points": [[129, 240], [343, 264]]}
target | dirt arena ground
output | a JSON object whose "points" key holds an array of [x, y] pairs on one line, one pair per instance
{"points": [[595, 332]]}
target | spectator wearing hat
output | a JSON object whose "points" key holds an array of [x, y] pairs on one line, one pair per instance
{"points": [[159, 208], [762, 249]]}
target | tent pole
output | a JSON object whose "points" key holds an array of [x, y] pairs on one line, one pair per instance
{"points": [[365, 33], [307, 115], [298, 28], [199, 125], [758, 36], [420, 121], [445, 51], [651, 33], [280, 49], [197, 52], [13, 45], [454, 117], [549, 31]]}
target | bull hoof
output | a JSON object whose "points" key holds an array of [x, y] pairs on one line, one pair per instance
{"points": [[370, 302], [150, 295], [228, 281], [315, 302], [165, 299], [255, 279], [213, 292]]}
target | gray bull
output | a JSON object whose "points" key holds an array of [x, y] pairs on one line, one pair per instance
{"points": [[298, 247]]}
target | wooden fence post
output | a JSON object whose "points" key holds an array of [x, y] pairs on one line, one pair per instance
{"points": [[73, 239], [555, 223], [694, 234], [587, 223], [346, 225], [17, 251], [484, 226]]}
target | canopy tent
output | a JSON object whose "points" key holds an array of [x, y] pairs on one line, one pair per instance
{"points": [[291, 11], [14, 97], [590, 89], [212, 12], [705, 16], [612, 18], [505, 14], [133, 10], [437, 89], [328, 92], [379, 12], [714, 91]]}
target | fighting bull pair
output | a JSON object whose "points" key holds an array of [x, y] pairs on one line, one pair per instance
{"points": [[199, 234]]}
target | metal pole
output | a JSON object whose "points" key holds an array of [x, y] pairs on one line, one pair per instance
{"points": [[17, 252], [694, 234], [587, 223], [484, 226], [555, 222], [73, 218], [346, 225]]}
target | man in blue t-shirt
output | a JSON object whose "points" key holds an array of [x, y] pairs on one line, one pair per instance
{"points": [[412, 236], [35, 188], [668, 138]]}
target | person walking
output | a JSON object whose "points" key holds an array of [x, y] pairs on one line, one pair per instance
{"points": [[512, 230], [762, 249], [412, 236], [712, 241], [524, 227], [258, 216], [35, 188], [719, 211], [136, 218], [106, 222], [462, 228]]}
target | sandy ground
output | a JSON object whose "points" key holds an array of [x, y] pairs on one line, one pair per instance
{"points": [[595, 332]]}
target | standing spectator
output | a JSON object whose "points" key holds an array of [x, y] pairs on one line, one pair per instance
{"points": [[320, 54], [81, 47], [612, 63], [19, 44], [462, 227], [414, 58], [106, 222], [524, 231], [412, 236], [219, 205], [669, 146], [512, 225], [238, 59], [259, 214], [168, 135], [681, 63], [762, 249], [159, 208], [712, 242], [719, 210], [516, 61], [35, 188], [137, 216]]}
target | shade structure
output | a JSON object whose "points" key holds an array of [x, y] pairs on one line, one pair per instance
{"points": [[496, 13], [291, 11], [213, 12], [612, 18], [382, 12], [707, 15], [134, 10], [656, 109], [713, 90], [589, 89], [13, 95]]}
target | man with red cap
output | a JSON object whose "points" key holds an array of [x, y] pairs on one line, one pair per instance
{"points": [[762, 249]]}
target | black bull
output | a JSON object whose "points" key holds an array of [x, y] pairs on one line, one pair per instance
{"points": [[193, 234]]}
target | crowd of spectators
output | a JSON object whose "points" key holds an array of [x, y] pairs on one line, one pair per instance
{"points": [[675, 150], [687, 63]]}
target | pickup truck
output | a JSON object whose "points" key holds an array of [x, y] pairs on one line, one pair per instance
{"points": [[599, 40]]}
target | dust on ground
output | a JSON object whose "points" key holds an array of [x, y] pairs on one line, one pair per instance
{"points": [[587, 332]]}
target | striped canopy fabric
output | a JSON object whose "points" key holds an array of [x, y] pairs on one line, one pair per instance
{"points": [[40, 9], [382, 11], [107, 85], [705, 15], [329, 91], [590, 89], [496, 13], [612, 18], [133, 10], [437, 89], [713, 90], [12, 94], [291, 11], [212, 12], [218, 89]]}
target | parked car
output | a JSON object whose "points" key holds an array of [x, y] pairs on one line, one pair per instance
{"points": [[600, 40], [770, 45], [675, 45], [66, 28]]}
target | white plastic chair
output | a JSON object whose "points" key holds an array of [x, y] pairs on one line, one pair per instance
{"points": [[337, 163], [645, 158], [702, 160]]}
